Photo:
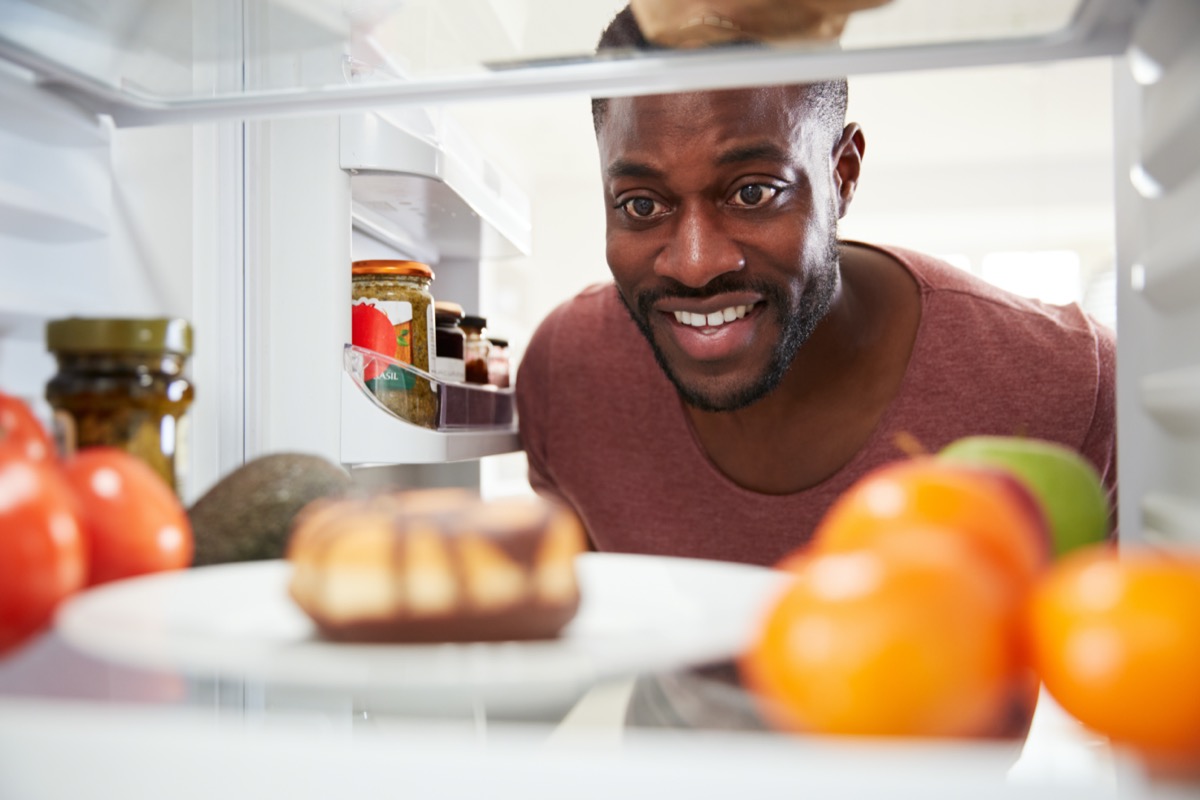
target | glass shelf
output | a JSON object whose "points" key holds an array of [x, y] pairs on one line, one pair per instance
{"points": [[160, 61]]}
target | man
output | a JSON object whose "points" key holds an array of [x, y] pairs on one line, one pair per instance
{"points": [[746, 367]]}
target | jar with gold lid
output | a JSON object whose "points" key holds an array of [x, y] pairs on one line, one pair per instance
{"points": [[392, 314], [121, 383]]}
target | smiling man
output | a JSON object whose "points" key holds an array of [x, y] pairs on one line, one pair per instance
{"points": [[745, 366]]}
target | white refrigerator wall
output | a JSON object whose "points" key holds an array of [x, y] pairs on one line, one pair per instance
{"points": [[1158, 167], [93, 221]]}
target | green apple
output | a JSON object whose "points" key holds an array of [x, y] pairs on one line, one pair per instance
{"points": [[1065, 483]]}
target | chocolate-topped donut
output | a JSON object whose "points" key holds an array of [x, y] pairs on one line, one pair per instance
{"points": [[435, 565]]}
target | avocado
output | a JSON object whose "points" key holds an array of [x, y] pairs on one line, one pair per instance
{"points": [[247, 514]]}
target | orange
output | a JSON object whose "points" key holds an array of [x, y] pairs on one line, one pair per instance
{"points": [[1116, 640], [988, 507], [917, 640]]}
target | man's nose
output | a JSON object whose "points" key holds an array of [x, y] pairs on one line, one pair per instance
{"points": [[700, 248]]}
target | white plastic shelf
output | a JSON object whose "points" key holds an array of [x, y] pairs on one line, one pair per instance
{"points": [[1172, 520], [1172, 399], [424, 189]]}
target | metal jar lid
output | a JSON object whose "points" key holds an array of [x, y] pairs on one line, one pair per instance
{"points": [[95, 335], [391, 267], [447, 312]]}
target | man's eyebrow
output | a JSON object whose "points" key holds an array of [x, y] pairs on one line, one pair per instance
{"points": [[753, 152], [624, 168]]}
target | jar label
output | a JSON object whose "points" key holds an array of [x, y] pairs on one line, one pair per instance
{"points": [[430, 340], [451, 369], [387, 331]]}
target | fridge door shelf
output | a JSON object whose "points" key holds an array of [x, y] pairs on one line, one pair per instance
{"points": [[393, 413], [425, 189]]}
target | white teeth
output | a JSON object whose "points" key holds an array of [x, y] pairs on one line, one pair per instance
{"points": [[711, 320]]}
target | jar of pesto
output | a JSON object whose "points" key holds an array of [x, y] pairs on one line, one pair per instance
{"points": [[121, 383], [392, 314]]}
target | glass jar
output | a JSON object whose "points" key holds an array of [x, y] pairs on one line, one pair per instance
{"points": [[120, 383], [499, 366], [476, 348], [449, 342], [392, 314]]}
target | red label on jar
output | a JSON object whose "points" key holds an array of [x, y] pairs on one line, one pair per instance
{"points": [[385, 326]]}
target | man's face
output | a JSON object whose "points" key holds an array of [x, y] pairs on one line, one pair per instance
{"points": [[721, 217]]}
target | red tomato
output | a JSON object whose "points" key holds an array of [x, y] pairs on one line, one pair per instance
{"points": [[42, 549], [371, 328], [133, 522], [20, 429]]}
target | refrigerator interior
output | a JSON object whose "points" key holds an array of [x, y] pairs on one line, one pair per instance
{"points": [[159, 165], [225, 161]]}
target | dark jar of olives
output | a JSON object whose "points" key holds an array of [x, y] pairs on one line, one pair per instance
{"points": [[121, 383]]}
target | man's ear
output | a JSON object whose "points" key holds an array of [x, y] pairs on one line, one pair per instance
{"points": [[847, 159]]}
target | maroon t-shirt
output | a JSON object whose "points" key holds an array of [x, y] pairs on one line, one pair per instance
{"points": [[605, 430]]}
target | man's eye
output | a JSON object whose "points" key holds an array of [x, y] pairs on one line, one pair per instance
{"points": [[641, 207], [754, 194]]}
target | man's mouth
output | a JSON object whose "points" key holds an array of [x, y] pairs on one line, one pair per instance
{"points": [[712, 319], [713, 332]]}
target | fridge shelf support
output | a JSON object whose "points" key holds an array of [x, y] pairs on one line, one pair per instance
{"points": [[1173, 400], [1171, 520]]}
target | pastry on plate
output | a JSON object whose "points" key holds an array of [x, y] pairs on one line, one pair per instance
{"points": [[435, 565]]}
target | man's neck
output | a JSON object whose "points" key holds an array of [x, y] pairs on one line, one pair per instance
{"points": [[835, 392]]}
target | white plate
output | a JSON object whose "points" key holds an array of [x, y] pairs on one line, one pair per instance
{"points": [[638, 614]]}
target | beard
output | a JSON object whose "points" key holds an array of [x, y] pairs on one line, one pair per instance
{"points": [[797, 321]]}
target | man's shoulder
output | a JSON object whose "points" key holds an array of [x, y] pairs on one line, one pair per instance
{"points": [[989, 361], [587, 320], [958, 300], [581, 336], [595, 304]]}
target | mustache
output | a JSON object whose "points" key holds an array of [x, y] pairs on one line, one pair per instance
{"points": [[673, 289]]}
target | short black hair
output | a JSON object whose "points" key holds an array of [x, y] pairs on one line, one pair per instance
{"points": [[827, 98]]}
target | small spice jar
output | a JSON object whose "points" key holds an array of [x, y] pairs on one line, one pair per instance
{"points": [[449, 342], [499, 366], [476, 348], [120, 383], [392, 314]]}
